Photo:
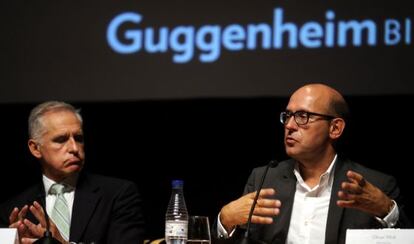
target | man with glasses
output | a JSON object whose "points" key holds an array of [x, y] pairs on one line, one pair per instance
{"points": [[317, 195]]}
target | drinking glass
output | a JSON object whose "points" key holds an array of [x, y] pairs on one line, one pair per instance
{"points": [[198, 230]]}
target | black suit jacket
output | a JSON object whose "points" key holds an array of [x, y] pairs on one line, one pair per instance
{"points": [[105, 210], [283, 180]]}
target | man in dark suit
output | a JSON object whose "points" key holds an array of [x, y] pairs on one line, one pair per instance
{"points": [[317, 195], [82, 207]]}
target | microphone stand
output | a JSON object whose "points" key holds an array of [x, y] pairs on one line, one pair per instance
{"points": [[246, 239], [47, 239]]}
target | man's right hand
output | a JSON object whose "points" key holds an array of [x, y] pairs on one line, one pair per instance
{"points": [[237, 212], [28, 231], [39, 229], [16, 220]]}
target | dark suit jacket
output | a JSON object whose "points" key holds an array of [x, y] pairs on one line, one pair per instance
{"points": [[105, 210], [283, 180]]}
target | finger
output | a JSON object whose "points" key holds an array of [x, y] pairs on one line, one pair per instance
{"points": [[266, 212], [53, 229], [261, 220], [13, 215], [342, 195], [52, 224], [23, 212], [352, 188], [266, 192], [346, 203], [269, 203], [55, 232], [263, 193], [15, 224], [356, 177], [35, 230], [38, 212], [41, 211], [28, 240], [22, 228], [346, 200]]}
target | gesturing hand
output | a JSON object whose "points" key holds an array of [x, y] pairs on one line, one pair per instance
{"points": [[237, 212], [16, 219], [362, 195], [39, 229]]}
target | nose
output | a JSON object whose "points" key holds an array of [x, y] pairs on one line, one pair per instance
{"points": [[73, 145], [290, 123]]}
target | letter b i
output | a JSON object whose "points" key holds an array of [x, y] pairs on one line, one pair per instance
{"points": [[395, 31]]}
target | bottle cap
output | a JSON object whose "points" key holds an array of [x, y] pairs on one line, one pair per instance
{"points": [[177, 183]]}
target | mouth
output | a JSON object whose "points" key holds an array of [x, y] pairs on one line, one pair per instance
{"points": [[74, 162], [290, 141]]}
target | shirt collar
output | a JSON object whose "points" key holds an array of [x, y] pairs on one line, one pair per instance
{"points": [[70, 183], [325, 180]]}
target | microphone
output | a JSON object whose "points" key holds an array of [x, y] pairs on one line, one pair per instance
{"points": [[47, 236], [246, 238]]}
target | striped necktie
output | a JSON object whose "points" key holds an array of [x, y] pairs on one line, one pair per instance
{"points": [[60, 213]]}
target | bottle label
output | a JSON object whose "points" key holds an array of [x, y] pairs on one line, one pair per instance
{"points": [[176, 228]]}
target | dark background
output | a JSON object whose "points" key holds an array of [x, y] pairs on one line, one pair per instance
{"points": [[210, 143]]}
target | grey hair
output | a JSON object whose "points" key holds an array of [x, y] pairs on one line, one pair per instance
{"points": [[36, 127]]}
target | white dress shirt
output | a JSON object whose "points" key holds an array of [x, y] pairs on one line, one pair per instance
{"points": [[68, 195], [310, 209]]}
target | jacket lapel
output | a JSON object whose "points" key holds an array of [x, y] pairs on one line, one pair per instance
{"points": [[335, 213], [86, 199], [285, 186]]}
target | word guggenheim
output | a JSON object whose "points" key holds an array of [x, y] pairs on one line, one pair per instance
{"points": [[127, 34]]}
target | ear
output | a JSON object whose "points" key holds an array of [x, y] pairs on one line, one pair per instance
{"points": [[336, 128], [34, 148]]}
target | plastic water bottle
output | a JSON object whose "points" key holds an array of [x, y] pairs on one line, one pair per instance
{"points": [[176, 218]]}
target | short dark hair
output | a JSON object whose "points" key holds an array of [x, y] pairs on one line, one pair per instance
{"points": [[340, 108]]}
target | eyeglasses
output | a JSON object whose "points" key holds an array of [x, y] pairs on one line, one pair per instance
{"points": [[301, 117]]}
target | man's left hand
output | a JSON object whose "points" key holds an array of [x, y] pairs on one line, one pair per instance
{"points": [[360, 194]]}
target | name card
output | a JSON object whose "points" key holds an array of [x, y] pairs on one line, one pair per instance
{"points": [[380, 236], [9, 236]]}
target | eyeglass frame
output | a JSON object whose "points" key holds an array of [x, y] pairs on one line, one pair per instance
{"points": [[289, 114]]}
